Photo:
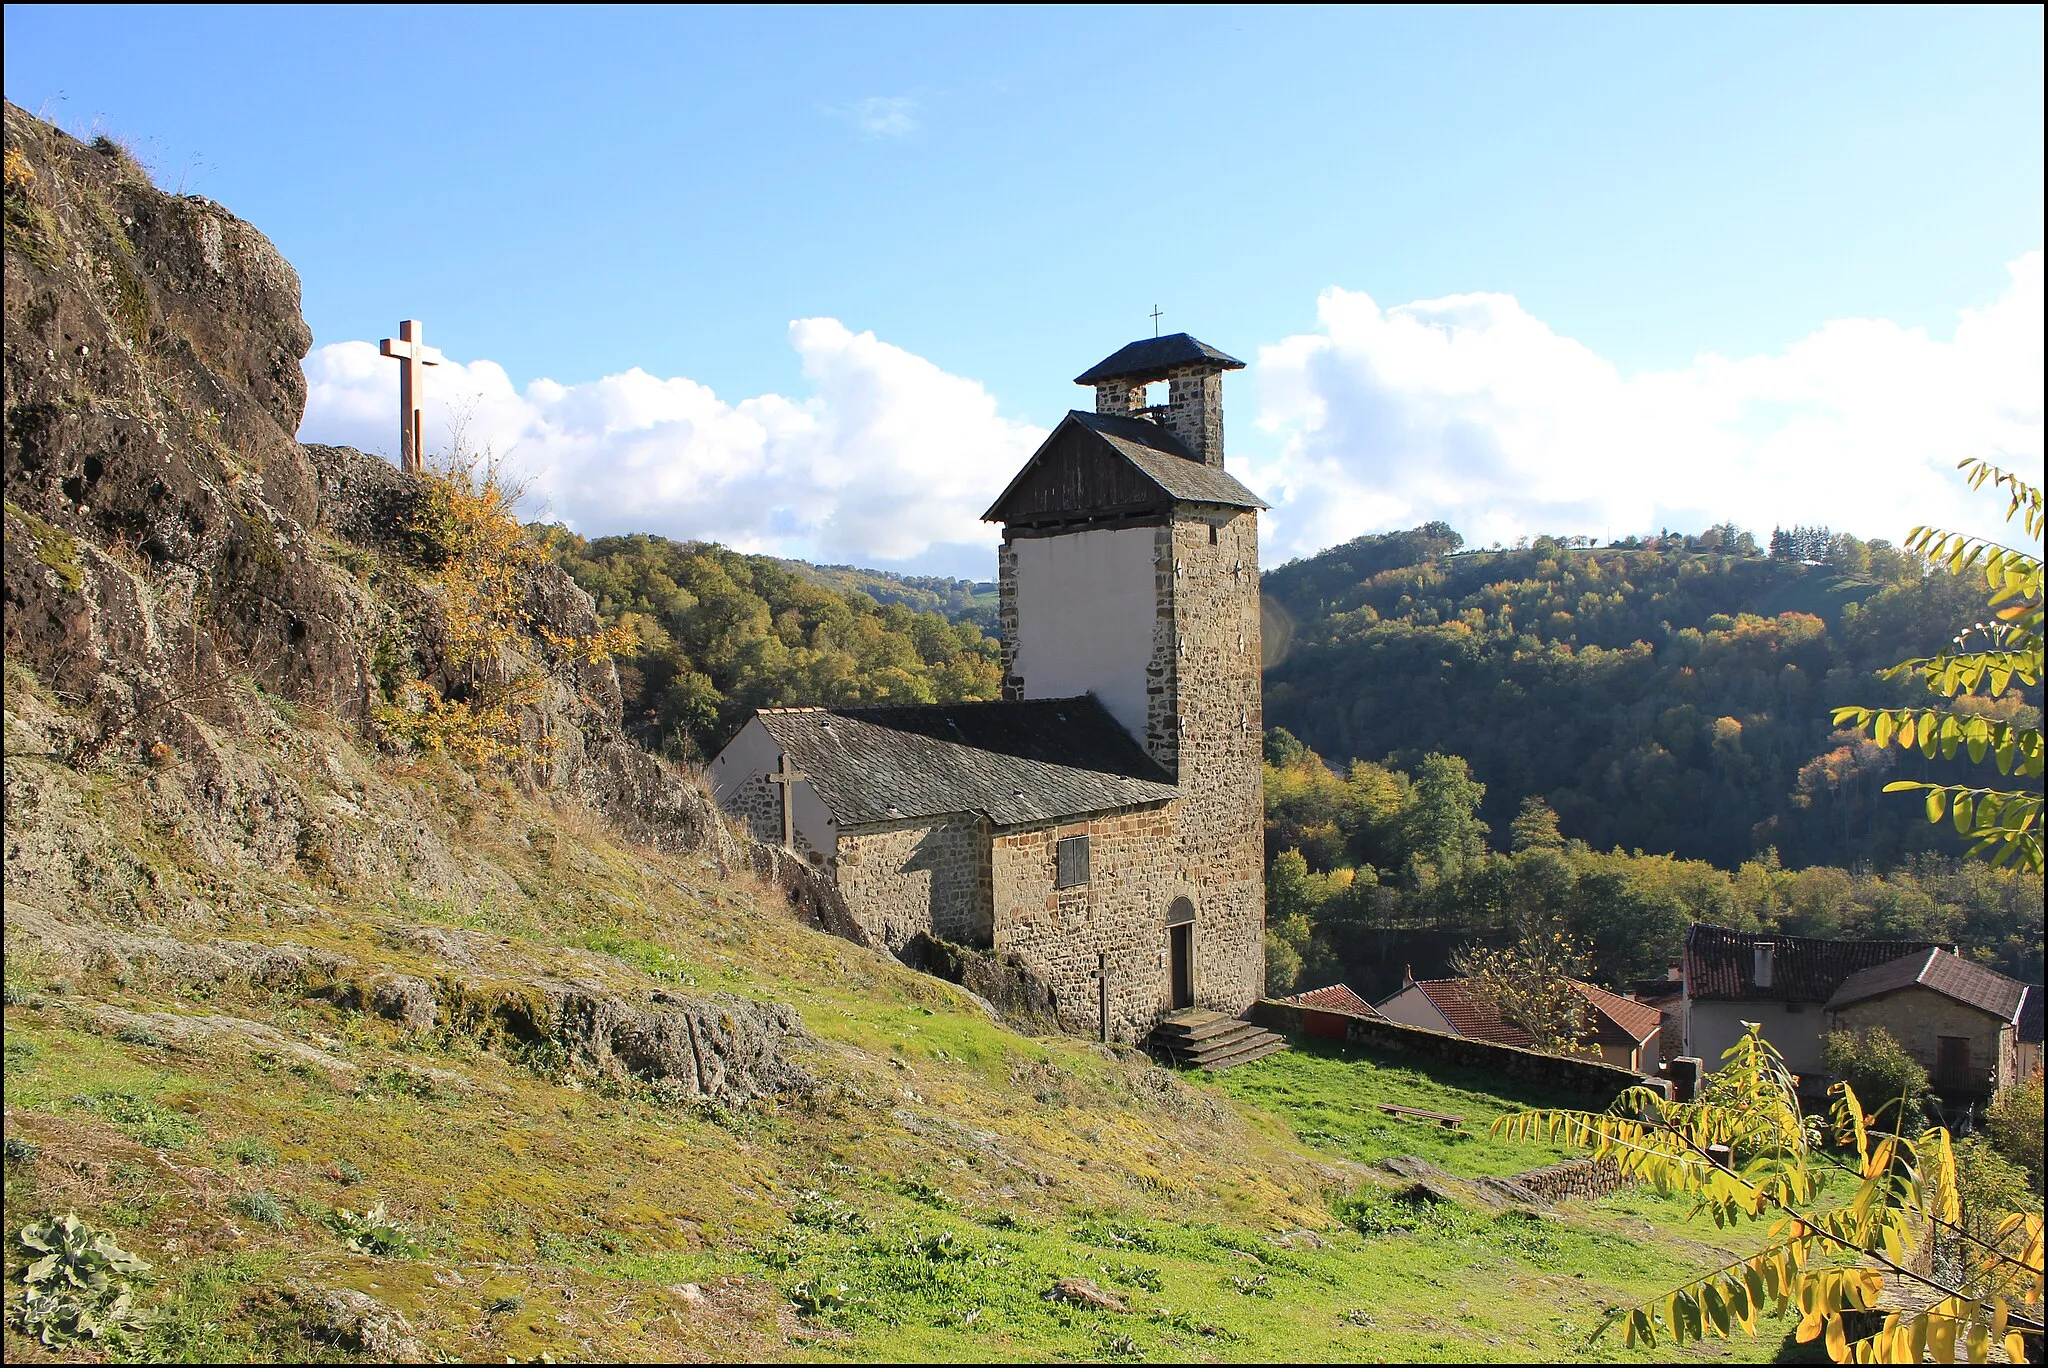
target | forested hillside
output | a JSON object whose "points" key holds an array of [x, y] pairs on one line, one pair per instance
{"points": [[720, 633], [1670, 696]]}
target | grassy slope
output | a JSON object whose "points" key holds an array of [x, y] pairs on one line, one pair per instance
{"points": [[570, 1213]]}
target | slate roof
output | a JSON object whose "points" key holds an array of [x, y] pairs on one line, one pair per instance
{"points": [[2030, 1016], [1336, 998], [1157, 457], [1015, 763], [1720, 964], [1616, 1020], [1950, 975], [1153, 356], [1168, 463]]}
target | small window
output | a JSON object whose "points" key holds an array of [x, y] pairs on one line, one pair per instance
{"points": [[1214, 534], [1073, 862]]}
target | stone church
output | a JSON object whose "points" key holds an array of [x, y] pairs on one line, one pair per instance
{"points": [[1102, 825]]}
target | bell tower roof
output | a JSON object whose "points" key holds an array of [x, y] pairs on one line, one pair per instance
{"points": [[1152, 357]]}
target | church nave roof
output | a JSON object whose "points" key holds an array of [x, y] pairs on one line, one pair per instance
{"points": [[1017, 763]]}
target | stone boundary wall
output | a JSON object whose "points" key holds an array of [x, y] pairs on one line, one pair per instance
{"points": [[1586, 1076], [1574, 1178]]}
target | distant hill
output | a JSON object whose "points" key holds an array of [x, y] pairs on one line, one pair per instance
{"points": [[1666, 694], [958, 600]]}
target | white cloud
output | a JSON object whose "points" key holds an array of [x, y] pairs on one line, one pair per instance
{"points": [[880, 116], [889, 458], [1466, 409], [1471, 410]]}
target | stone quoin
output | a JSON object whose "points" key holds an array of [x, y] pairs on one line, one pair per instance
{"points": [[1102, 824]]}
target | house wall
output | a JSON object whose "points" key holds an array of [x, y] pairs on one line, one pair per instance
{"points": [[1412, 1007], [919, 875], [1120, 913], [1086, 604], [739, 782], [1712, 1027], [1917, 1017]]}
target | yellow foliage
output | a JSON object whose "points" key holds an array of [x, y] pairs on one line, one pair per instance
{"points": [[1744, 1152], [481, 566]]}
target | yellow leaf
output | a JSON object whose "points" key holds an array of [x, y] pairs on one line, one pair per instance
{"points": [[1810, 1326], [1838, 1340]]}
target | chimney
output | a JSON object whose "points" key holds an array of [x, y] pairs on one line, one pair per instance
{"points": [[1407, 976]]}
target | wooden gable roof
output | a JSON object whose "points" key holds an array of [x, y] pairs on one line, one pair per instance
{"points": [[1107, 468]]}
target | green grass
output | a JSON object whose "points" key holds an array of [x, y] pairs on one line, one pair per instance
{"points": [[1331, 1094], [946, 1171]]}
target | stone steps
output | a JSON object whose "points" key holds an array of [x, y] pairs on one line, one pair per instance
{"points": [[1197, 1039]]}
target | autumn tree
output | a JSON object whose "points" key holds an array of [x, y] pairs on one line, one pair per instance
{"points": [[1986, 660], [1535, 984]]}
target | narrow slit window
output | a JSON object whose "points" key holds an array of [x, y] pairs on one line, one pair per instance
{"points": [[1073, 862]]}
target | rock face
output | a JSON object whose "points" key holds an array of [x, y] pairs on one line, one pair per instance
{"points": [[168, 540]]}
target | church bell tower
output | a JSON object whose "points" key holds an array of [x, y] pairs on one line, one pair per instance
{"points": [[1130, 571]]}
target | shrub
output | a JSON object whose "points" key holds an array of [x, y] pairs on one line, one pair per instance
{"points": [[76, 1286], [373, 1232], [1889, 1082], [2014, 1122]]}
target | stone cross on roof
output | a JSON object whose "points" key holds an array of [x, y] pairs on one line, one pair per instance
{"points": [[411, 352], [787, 776]]}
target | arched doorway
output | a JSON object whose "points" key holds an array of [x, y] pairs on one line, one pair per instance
{"points": [[1180, 952]]}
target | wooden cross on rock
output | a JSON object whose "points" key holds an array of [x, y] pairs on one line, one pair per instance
{"points": [[411, 352]]}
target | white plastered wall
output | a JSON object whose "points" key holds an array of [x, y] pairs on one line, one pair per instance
{"points": [[1087, 603], [739, 781], [1412, 1007]]}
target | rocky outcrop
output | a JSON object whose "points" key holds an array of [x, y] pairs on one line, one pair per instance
{"points": [[169, 541]]}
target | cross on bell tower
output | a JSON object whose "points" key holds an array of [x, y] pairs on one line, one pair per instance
{"points": [[411, 352]]}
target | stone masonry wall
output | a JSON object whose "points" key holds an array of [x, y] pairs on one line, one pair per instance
{"points": [[1213, 553], [919, 875], [1134, 875], [1918, 1017], [1194, 411], [1597, 1082]]}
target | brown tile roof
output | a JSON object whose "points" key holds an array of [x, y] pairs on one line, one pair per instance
{"points": [[1015, 763], [1720, 964], [1335, 998], [1950, 975], [1616, 1020]]}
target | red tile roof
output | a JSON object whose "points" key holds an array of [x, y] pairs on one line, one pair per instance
{"points": [[1616, 1020], [1639, 1020], [1720, 964], [1335, 998], [1950, 975]]}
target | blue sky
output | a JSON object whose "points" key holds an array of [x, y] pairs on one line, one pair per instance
{"points": [[1006, 194]]}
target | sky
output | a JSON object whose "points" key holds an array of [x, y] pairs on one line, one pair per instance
{"points": [[815, 281]]}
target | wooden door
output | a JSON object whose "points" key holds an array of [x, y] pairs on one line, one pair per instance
{"points": [[1183, 954]]}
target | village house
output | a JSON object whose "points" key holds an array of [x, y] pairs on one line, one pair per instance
{"points": [[1960, 1020], [1101, 825], [1627, 1033], [1782, 983]]}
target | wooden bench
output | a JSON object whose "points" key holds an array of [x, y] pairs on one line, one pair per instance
{"points": [[1417, 1114]]}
